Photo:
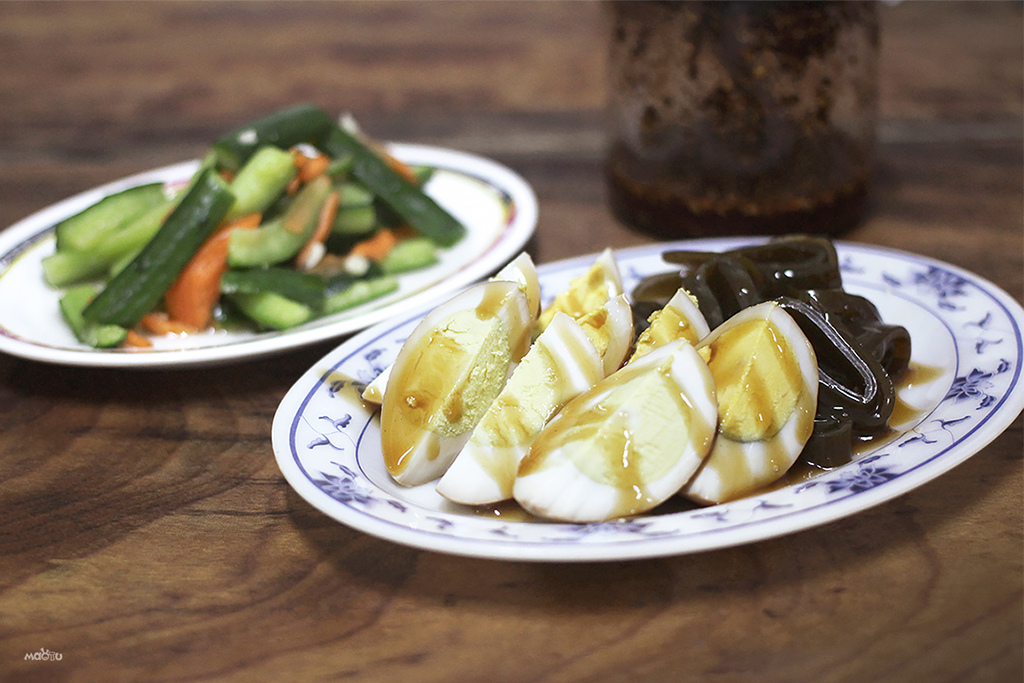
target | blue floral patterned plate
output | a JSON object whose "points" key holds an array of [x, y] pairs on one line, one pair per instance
{"points": [[964, 329]]}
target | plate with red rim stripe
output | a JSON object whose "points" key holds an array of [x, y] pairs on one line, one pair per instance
{"points": [[498, 208]]}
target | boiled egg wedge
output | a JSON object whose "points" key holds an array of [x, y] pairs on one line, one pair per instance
{"points": [[766, 378], [520, 270], [446, 375], [560, 364], [610, 329], [625, 445], [587, 292], [678, 319], [374, 391]]}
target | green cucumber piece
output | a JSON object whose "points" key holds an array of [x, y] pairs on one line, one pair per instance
{"points": [[63, 268], [121, 263], [305, 123], [278, 240], [261, 181], [353, 194], [83, 230], [72, 303], [410, 254], [292, 284], [357, 292], [271, 310], [339, 168], [264, 246], [355, 221], [405, 198], [138, 288]]}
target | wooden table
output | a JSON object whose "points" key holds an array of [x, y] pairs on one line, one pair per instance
{"points": [[147, 533]]}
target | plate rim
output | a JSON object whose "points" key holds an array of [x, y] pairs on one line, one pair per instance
{"points": [[510, 239], [1010, 406]]}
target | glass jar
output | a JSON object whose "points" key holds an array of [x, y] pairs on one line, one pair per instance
{"points": [[733, 118]]}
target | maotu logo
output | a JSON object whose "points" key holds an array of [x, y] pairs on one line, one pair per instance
{"points": [[44, 655]]}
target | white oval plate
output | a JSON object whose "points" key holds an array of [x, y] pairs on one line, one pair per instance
{"points": [[327, 442], [498, 208]]}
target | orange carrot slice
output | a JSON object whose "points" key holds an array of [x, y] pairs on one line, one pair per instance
{"points": [[401, 168], [308, 168], [312, 167], [159, 322], [136, 340], [195, 292], [296, 182], [311, 252], [397, 165], [377, 246], [248, 221]]}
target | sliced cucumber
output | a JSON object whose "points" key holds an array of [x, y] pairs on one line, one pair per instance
{"points": [[292, 284], [410, 254], [261, 181], [355, 221], [305, 123], [405, 198], [99, 336], [63, 268], [136, 290], [271, 310], [358, 292], [279, 240], [83, 230]]}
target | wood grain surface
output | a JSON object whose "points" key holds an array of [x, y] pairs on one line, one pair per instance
{"points": [[146, 533]]}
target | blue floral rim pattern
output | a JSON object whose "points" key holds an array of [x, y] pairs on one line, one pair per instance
{"points": [[328, 447]]}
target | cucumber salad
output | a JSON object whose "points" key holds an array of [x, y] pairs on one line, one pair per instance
{"points": [[288, 218]]}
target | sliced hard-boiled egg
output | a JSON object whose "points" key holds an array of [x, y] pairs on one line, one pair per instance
{"points": [[586, 293], [610, 329], [678, 319], [520, 270], [446, 375], [625, 445], [523, 272], [560, 364], [766, 377], [374, 391]]}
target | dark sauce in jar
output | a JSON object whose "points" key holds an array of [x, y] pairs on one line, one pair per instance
{"points": [[741, 117]]}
